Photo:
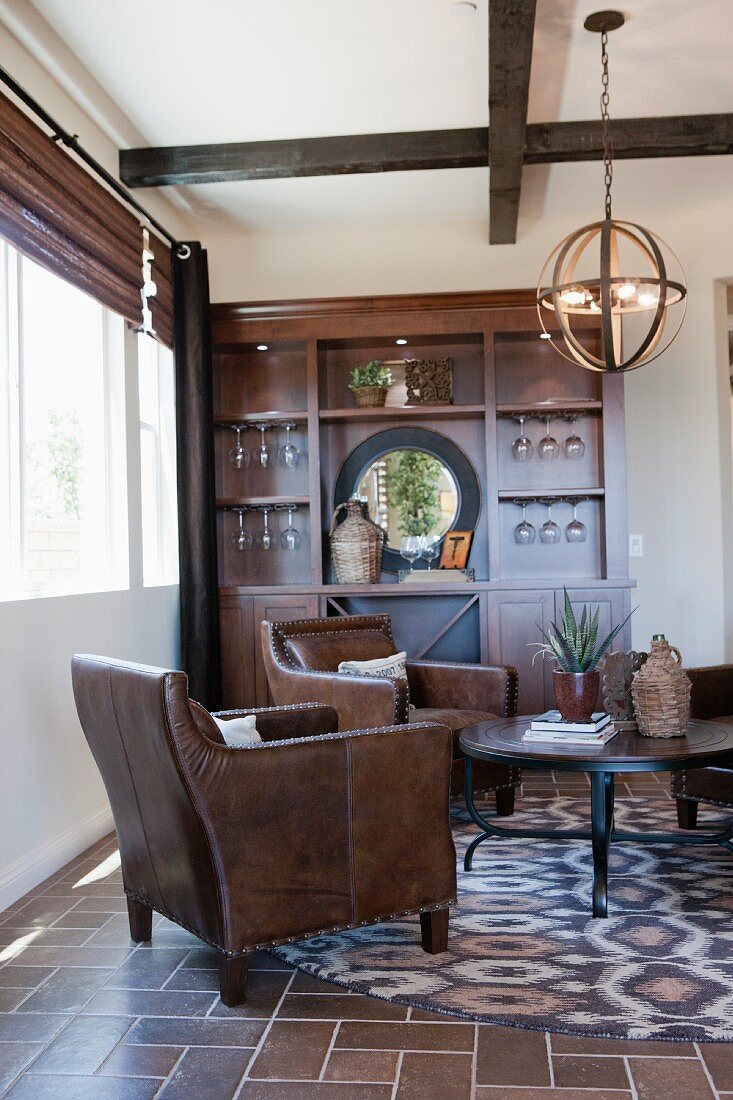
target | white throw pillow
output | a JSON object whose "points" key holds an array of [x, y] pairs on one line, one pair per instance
{"points": [[239, 731], [389, 668]]}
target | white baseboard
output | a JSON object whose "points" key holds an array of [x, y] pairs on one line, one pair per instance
{"points": [[25, 872]]}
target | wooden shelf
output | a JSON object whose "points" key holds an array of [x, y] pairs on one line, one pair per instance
{"points": [[224, 419], [546, 494], [405, 412], [392, 588], [548, 408], [253, 502]]}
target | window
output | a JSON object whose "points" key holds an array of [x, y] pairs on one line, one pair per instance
{"points": [[63, 498], [158, 462]]}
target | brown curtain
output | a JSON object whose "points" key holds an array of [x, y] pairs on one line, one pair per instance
{"points": [[56, 213], [199, 596]]}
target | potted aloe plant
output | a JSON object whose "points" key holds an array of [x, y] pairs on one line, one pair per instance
{"points": [[370, 384], [575, 647]]}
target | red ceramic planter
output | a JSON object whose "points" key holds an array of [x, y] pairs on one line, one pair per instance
{"points": [[576, 694]]}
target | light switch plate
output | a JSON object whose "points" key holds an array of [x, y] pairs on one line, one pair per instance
{"points": [[636, 546]]}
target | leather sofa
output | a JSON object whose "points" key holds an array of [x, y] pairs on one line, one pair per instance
{"points": [[711, 698], [311, 830], [302, 657]]}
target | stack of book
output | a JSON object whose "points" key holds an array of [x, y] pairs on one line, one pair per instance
{"points": [[550, 729]]}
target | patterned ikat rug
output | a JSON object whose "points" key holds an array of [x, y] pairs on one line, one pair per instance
{"points": [[524, 951]]}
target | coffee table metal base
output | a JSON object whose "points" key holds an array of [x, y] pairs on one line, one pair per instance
{"points": [[601, 834]]}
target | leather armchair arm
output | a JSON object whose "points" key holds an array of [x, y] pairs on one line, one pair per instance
{"points": [[464, 687], [283, 723], [712, 691], [355, 826], [357, 699]]}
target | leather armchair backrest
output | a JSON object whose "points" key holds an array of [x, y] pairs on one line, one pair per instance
{"points": [[320, 644], [141, 731], [324, 652]]}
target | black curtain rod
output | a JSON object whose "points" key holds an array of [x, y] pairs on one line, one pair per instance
{"points": [[72, 142]]}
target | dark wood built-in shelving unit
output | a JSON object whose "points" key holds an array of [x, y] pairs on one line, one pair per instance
{"points": [[502, 370]]}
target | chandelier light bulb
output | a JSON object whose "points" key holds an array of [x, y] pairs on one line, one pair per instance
{"points": [[626, 290], [573, 297]]}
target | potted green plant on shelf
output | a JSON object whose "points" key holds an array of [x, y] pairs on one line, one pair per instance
{"points": [[370, 384], [575, 647]]}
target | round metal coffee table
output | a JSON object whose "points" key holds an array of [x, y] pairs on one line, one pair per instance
{"points": [[706, 744]]}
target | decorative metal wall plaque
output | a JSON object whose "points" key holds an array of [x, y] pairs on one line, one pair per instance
{"points": [[429, 381], [618, 672]]}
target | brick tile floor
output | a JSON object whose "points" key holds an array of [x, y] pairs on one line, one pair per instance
{"points": [[87, 1015]]}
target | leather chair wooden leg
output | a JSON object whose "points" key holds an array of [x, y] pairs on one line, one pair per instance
{"points": [[687, 813], [141, 920], [233, 979], [505, 801], [434, 929]]}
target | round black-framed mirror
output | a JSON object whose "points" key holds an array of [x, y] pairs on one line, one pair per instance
{"points": [[457, 473]]}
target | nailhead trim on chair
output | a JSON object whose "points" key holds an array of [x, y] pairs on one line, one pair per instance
{"points": [[271, 710], [694, 798], [290, 939]]}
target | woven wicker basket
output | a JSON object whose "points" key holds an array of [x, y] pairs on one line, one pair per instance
{"points": [[661, 692], [356, 545], [369, 397]]}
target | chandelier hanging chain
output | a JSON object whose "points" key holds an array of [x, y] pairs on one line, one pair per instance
{"points": [[605, 117]]}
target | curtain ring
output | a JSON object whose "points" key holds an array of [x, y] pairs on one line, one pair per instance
{"points": [[183, 251]]}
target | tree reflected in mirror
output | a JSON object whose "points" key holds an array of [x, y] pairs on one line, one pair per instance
{"points": [[410, 492]]}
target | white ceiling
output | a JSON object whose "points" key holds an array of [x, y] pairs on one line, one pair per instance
{"points": [[235, 70]]}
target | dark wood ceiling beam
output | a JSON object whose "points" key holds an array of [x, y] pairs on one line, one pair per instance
{"points": [[545, 143], [511, 30], [633, 139], [327, 156]]}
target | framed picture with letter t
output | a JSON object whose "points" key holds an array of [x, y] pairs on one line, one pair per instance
{"points": [[456, 546]]}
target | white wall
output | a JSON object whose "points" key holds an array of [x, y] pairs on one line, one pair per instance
{"points": [[679, 436], [52, 802]]}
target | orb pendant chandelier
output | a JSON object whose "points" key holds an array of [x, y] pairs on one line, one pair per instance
{"points": [[617, 273]]}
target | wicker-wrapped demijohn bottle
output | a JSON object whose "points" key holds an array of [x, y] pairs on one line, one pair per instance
{"points": [[661, 692], [356, 545]]}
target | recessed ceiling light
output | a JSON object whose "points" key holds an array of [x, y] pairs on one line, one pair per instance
{"points": [[545, 336], [463, 7], [401, 341], [262, 347]]}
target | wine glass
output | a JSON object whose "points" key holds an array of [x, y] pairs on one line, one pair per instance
{"points": [[410, 549], [524, 532], [429, 548], [522, 447], [289, 453], [266, 539], [575, 530], [263, 454], [548, 446], [239, 455], [241, 539], [574, 447], [549, 531], [290, 537]]}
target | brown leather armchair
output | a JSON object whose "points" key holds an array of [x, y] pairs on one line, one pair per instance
{"points": [[302, 658], [253, 847], [711, 698]]}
